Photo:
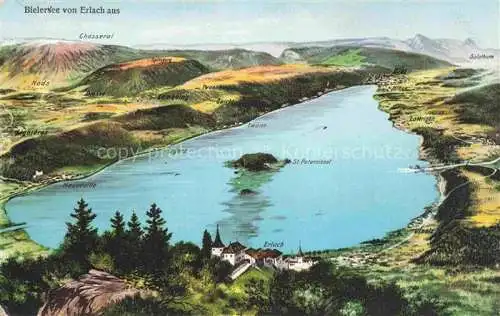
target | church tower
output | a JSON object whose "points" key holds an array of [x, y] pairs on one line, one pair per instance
{"points": [[217, 246]]}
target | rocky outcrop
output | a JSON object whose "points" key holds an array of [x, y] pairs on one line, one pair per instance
{"points": [[87, 296]]}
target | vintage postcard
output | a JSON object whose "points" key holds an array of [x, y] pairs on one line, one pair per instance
{"points": [[250, 157]]}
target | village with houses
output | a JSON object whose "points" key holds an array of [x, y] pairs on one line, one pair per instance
{"points": [[243, 258]]}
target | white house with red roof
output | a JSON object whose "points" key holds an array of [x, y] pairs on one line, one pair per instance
{"points": [[263, 257], [235, 253], [299, 262]]}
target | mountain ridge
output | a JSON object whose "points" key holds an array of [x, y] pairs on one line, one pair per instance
{"points": [[58, 63], [130, 78], [460, 52]]}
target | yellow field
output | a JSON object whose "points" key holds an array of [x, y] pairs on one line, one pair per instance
{"points": [[148, 62], [115, 108], [421, 102], [209, 106], [486, 198], [259, 74]]}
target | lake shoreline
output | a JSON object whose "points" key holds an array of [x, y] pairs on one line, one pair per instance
{"points": [[392, 238], [440, 181], [9, 226]]}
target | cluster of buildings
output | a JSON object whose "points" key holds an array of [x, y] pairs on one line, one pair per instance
{"points": [[236, 254]]}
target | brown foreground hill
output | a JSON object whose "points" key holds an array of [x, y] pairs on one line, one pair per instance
{"points": [[89, 295]]}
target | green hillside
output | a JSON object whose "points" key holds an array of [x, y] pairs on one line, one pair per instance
{"points": [[227, 59], [479, 105], [358, 56], [131, 78], [347, 58], [82, 147]]}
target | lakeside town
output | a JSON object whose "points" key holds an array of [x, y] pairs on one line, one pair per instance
{"points": [[243, 258]]}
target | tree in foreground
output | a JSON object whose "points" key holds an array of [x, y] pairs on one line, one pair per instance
{"points": [[156, 242], [140, 306], [118, 225], [81, 236], [133, 246], [115, 244], [257, 295], [206, 249], [134, 230]]}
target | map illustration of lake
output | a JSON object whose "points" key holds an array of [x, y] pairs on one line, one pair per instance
{"points": [[345, 201], [228, 157]]}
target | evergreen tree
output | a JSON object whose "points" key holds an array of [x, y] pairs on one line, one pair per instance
{"points": [[156, 242], [134, 231], [118, 224], [132, 248], [206, 250], [81, 237], [115, 242]]}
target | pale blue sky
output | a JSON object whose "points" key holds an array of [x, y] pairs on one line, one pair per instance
{"points": [[231, 21]]}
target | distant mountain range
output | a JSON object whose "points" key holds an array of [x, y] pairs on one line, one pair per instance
{"points": [[57, 63], [60, 63], [451, 50], [54, 63]]}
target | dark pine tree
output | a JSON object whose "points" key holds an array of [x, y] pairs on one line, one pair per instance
{"points": [[132, 250], [206, 249], [116, 243], [81, 237], [156, 242], [134, 231], [118, 225]]}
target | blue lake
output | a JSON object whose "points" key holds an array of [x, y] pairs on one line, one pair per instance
{"points": [[360, 195]]}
